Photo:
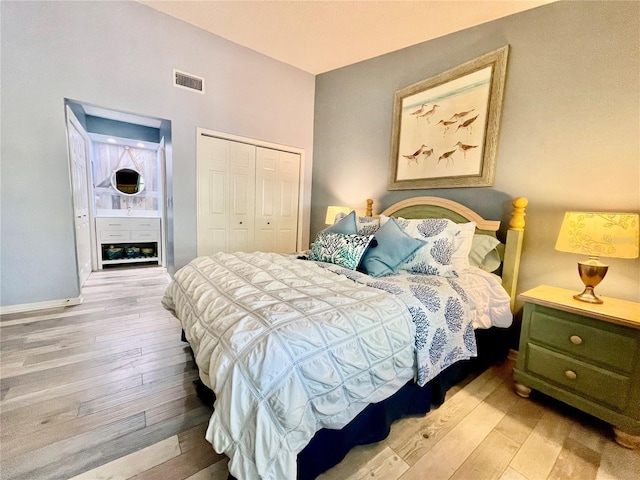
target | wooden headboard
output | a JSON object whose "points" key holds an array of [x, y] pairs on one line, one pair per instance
{"points": [[435, 207]]}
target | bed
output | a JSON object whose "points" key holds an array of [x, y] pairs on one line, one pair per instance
{"points": [[312, 354]]}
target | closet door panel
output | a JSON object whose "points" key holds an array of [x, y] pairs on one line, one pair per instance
{"points": [[289, 182], [277, 179], [213, 159], [242, 197], [267, 197]]}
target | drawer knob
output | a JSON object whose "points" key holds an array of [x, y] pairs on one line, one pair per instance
{"points": [[576, 340], [570, 374]]}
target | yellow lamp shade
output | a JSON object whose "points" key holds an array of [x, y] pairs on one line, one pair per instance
{"points": [[332, 211], [599, 234]]}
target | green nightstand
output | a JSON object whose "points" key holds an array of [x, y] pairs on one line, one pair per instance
{"points": [[583, 354]]}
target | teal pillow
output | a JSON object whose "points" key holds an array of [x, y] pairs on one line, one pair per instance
{"points": [[339, 249], [346, 226], [393, 249]]}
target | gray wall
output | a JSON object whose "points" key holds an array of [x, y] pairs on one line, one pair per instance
{"points": [[570, 134], [119, 55]]}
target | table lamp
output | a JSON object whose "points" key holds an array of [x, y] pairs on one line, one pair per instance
{"points": [[597, 234], [333, 211]]}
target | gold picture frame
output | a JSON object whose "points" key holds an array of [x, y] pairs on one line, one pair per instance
{"points": [[445, 128]]}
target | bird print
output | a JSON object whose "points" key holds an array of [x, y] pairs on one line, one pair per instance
{"points": [[414, 156], [464, 147], [467, 124], [419, 111], [427, 153], [446, 124], [428, 113], [447, 156], [459, 115]]}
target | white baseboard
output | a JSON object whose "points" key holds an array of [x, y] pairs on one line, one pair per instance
{"points": [[30, 307]]}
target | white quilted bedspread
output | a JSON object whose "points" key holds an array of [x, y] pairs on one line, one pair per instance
{"points": [[289, 348]]}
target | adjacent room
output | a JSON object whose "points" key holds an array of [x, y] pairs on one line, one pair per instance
{"points": [[320, 239]]}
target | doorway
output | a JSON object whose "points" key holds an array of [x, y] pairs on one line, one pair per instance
{"points": [[115, 224]]}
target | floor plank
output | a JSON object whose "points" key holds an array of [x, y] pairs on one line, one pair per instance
{"points": [[134, 463], [489, 460], [575, 461]]}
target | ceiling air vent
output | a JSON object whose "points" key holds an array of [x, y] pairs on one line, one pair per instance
{"points": [[188, 81]]}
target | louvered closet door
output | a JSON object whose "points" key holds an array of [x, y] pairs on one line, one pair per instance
{"points": [[226, 195], [277, 189]]}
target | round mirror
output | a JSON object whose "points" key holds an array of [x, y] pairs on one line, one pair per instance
{"points": [[127, 181]]}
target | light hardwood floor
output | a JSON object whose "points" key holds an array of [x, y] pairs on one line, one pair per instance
{"points": [[104, 390]]}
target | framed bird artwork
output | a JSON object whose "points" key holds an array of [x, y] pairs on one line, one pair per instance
{"points": [[445, 128]]}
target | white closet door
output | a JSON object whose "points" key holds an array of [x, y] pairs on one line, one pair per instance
{"points": [[289, 185], [266, 199], [242, 197], [226, 178], [212, 192], [277, 187]]}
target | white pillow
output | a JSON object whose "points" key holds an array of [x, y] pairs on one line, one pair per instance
{"points": [[446, 252]]}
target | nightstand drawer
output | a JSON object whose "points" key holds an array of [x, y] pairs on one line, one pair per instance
{"points": [[587, 380], [578, 336]]}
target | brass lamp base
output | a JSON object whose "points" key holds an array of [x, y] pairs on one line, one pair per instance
{"points": [[591, 273], [588, 296]]}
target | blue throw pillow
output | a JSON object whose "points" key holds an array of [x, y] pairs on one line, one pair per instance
{"points": [[346, 226], [393, 249]]}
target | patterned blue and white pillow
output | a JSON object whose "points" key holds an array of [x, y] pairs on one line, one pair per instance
{"points": [[447, 249], [340, 249], [367, 225]]}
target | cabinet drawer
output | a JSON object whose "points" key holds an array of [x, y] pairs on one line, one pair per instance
{"points": [[144, 236], [115, 235], [112, 224], [588, 380], [585, 338], [127, 223], [144, 223]]}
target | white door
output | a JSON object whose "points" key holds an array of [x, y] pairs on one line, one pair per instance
{"points": [[162, 200], [277, 190], [226, 195], [242, 197], [78, 156], [289, 185], [212, 193]]}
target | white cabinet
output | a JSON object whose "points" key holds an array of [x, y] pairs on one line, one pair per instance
{"points": [[247, 197], [123, 240]]}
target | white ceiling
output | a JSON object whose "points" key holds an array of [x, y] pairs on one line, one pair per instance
{"points": [[317, 36]]}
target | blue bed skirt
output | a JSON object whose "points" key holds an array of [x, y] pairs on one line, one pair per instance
{"points": [[329, 447]]}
